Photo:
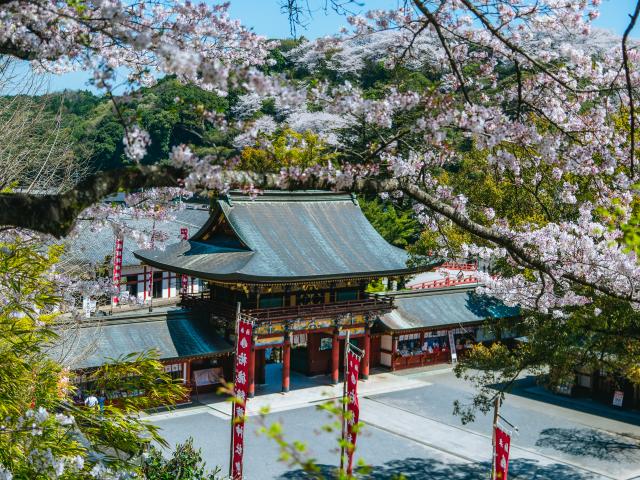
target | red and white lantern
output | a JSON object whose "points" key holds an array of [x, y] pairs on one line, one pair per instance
{"points": [[353, 371], [117, 267], [501, 454], [241, 391]]}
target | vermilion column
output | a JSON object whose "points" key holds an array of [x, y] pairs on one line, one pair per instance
{"points": [[252, 373], [286, 364], [335, 359], [365, 360]]}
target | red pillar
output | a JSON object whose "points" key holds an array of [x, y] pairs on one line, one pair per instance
{"points": [[252, 373], [367, 355], [188, 375], [286, 363], [335, 359]]}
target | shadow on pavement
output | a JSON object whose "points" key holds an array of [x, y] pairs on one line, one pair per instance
{"points": [[528, 388], [421, 469], [586, 442]]}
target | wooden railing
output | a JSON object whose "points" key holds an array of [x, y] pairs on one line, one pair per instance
{"points": [[324, 310], [469, 267], [445, 282]]}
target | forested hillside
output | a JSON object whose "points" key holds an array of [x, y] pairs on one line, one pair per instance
{"points": [[174, 113]]}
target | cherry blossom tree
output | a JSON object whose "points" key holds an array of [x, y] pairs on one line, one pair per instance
{"points": [[520, 133], [512, 83]]}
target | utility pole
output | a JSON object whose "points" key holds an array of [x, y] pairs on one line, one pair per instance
{"points": [[233, 380], [344, 394], [496, 408]]}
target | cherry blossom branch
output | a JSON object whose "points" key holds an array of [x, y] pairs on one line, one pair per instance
{"points": [[445, 45], [516, 49], [56, 214]]}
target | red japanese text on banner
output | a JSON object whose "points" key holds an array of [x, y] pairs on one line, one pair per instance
{"points": [[353, 407], [241, 389], [117, 267], [503, 444], [184, 235]]}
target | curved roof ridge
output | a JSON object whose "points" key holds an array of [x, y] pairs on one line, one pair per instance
{"points": [[288, 196], [290, 236]]}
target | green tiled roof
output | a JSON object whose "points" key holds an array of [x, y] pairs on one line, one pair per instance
{"points": [[283, 236], [178, 336], [444, 307]]}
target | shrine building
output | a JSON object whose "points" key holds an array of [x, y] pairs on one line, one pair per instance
{"points": [[299, 263]]}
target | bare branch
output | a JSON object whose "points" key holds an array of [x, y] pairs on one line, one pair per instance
{"points": [[452, 62], [627, 74]]}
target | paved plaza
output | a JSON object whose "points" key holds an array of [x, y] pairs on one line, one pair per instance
{"points": [[410, 430]]}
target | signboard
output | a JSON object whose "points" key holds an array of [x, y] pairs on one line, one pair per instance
{"points": [[501, 454], [117, 267], [184, 235], [311, 324], [208, 376], [353, 406], [299, 340], [88, 306], [452, 347], [618, 398], [354, 331], [326, 343], [267, 341], [241, 390]]}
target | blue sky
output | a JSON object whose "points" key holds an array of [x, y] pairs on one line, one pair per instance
{"points": [[265, 17]]}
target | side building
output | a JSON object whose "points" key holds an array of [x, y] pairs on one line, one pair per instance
{"points": [[437, 325], [94, 249], [192, 353]]}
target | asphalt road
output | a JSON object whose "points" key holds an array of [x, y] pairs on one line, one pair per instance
{"points": [[413, 432]]}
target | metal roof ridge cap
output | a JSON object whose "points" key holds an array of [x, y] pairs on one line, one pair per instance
{"points": [[290, 195], [105, 321]]}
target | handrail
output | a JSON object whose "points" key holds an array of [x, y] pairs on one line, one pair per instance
{"points": [[447, 282], [325, 309], [296, 311], [459, 266]]}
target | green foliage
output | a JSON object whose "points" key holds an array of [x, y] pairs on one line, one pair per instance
{"points": [[396, 226], [185, 464], [375, 285], [44, 434], [598, 337], [285, 149], [172, 114]]}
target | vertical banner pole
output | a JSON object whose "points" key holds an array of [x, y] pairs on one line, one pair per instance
{"points": [[496, 407], [244, 341], [184, 235], [153, 245], [233, 410], [117, 267], [149, 286], [344, 398], [354, 357]]}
